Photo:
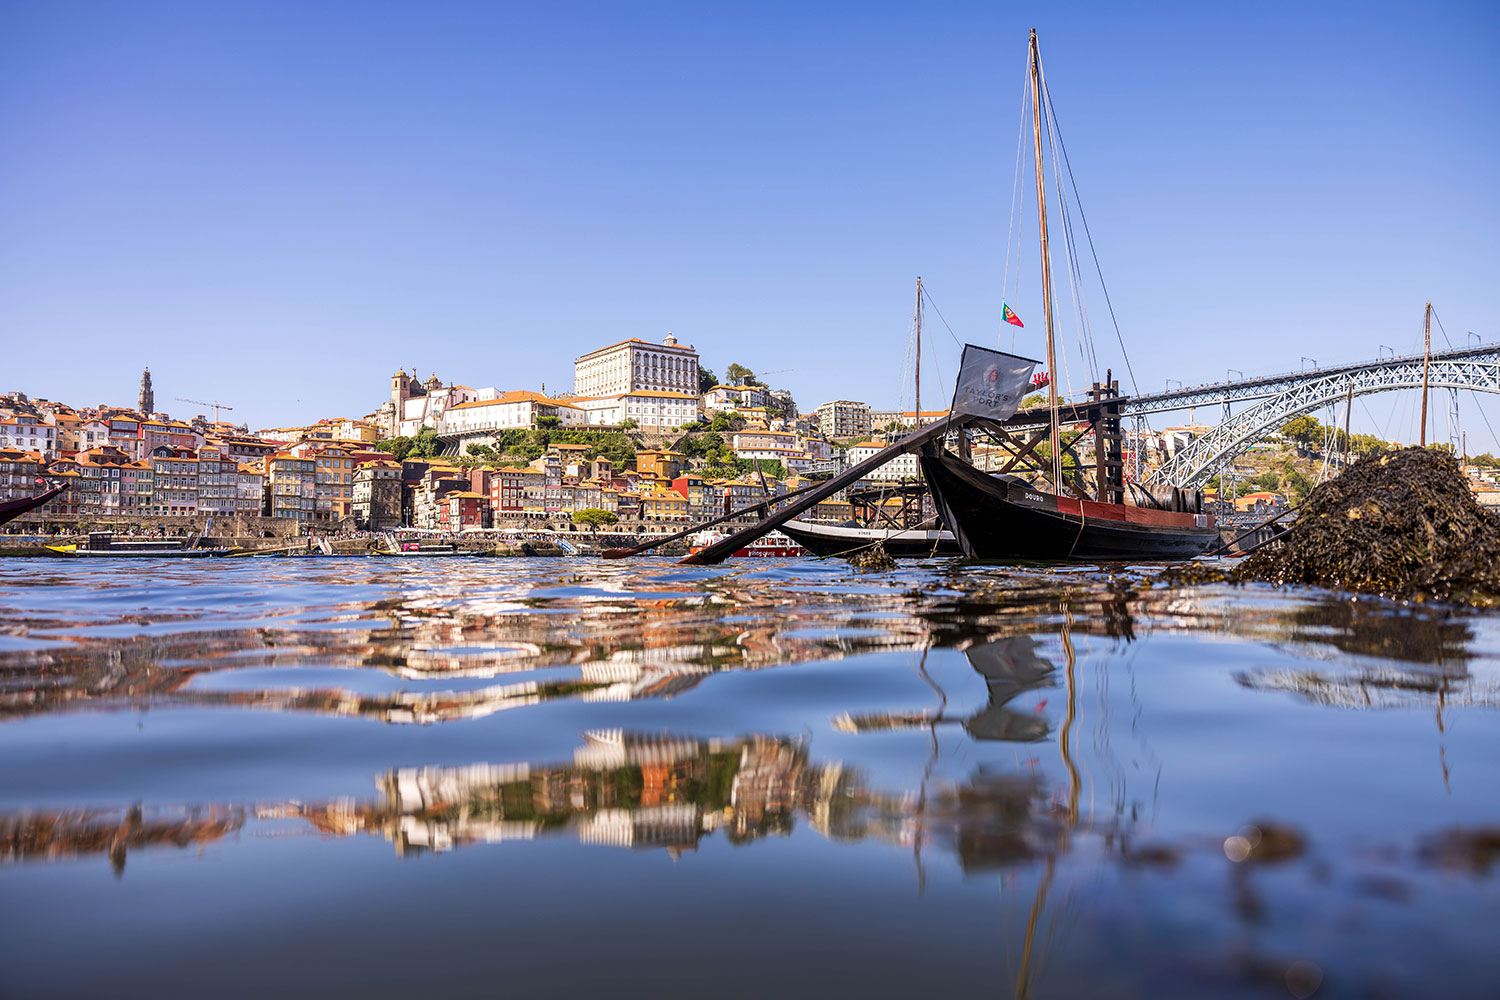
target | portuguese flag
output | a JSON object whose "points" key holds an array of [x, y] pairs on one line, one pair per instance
{"points": [[1009, 316]]}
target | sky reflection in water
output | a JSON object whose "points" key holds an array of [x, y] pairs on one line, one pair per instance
{"points": [[761, 779]]}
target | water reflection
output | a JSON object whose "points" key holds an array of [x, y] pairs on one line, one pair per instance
{"points": [[1010, 667], [1087, 783]]}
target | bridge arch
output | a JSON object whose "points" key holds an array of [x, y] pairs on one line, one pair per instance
{"points": [[1195, 464]]}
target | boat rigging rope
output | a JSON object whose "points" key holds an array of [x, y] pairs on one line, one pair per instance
{"points": [[1083, 217], [1086, 348], [928, 296], [1012, 237]]}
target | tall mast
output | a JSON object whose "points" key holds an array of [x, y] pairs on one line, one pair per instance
{"points": [[917, 421], [1041, 214], [1426, 360]]}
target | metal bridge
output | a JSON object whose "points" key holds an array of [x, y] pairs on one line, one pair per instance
{"points": [[1283, 397]]}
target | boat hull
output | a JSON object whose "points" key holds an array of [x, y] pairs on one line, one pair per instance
{"points": [[837, 540], [1006, 519], [12, 509], [71, 551]]}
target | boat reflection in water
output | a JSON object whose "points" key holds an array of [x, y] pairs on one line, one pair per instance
{"points": [[1010, 667], [1057, 783]]}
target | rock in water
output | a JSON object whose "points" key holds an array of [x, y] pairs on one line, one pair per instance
{"points": [[873, 559], [1399, 524]]}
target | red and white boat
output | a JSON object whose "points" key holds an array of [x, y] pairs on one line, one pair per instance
{"points": [[774, 545]]}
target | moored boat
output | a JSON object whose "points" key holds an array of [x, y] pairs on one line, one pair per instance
{"points": [[419, 549], [1004, 517], [104, 545], [774, 545], [840, 539]]}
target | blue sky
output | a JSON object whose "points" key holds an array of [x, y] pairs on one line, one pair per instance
{"points": [[276, 205]]}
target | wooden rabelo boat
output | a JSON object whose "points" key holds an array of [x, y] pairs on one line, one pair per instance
{"points": [[12, 509], [1006, 517], [999, 515]]}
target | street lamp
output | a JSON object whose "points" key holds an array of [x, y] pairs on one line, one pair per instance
{"points": [[1313, 360], [1383, 349], [1169, 384], [1235, 371]]}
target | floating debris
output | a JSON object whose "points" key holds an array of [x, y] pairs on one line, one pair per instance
{"points": [[1471, 849], [874, 559]]}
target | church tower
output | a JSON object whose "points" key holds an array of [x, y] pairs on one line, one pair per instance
{"points": [[147, 402]]}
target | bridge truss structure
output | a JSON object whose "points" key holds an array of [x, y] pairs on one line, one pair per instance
{"points": [[1284, 397]]}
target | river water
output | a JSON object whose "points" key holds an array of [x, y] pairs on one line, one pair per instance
{"points": [[476, 777]]}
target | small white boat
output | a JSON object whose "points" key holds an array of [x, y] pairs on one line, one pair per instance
{"points": [[838, 539]]}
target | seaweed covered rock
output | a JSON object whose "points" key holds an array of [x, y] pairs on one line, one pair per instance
{"points": [[1399, 524]]}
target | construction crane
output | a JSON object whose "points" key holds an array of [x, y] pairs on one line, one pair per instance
{"points": [[215, 404]]}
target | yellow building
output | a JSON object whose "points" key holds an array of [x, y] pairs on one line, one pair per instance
{"points": [[664, 506], [659, 464], [334, 483]]}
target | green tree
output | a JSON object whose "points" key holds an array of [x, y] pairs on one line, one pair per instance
{"points": [[629, 424], [1305, 430], [1297, 486], [740, 375], [549, 422], [424, 444], [593, 518], [706, 379], [481, 451], [1035, 399], [399, 447], [1270, 481]]}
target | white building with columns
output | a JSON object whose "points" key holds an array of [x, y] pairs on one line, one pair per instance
{"points": [[635, 365]]}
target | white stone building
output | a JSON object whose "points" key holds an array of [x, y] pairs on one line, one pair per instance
{"points": [[27, 433], [900, 467], [735, 397], [635, 365], [843, 418], [511, 410], [656, 409]]}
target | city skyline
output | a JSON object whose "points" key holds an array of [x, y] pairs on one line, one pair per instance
{"points": [[278, 218]]}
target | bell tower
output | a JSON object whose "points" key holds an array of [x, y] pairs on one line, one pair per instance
{"points": [[146, 404]]}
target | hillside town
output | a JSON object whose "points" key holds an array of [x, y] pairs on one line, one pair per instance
{"points": [[647, 437]]}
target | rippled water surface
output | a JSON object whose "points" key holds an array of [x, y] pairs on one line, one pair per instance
{"points": [[348, 777]]}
